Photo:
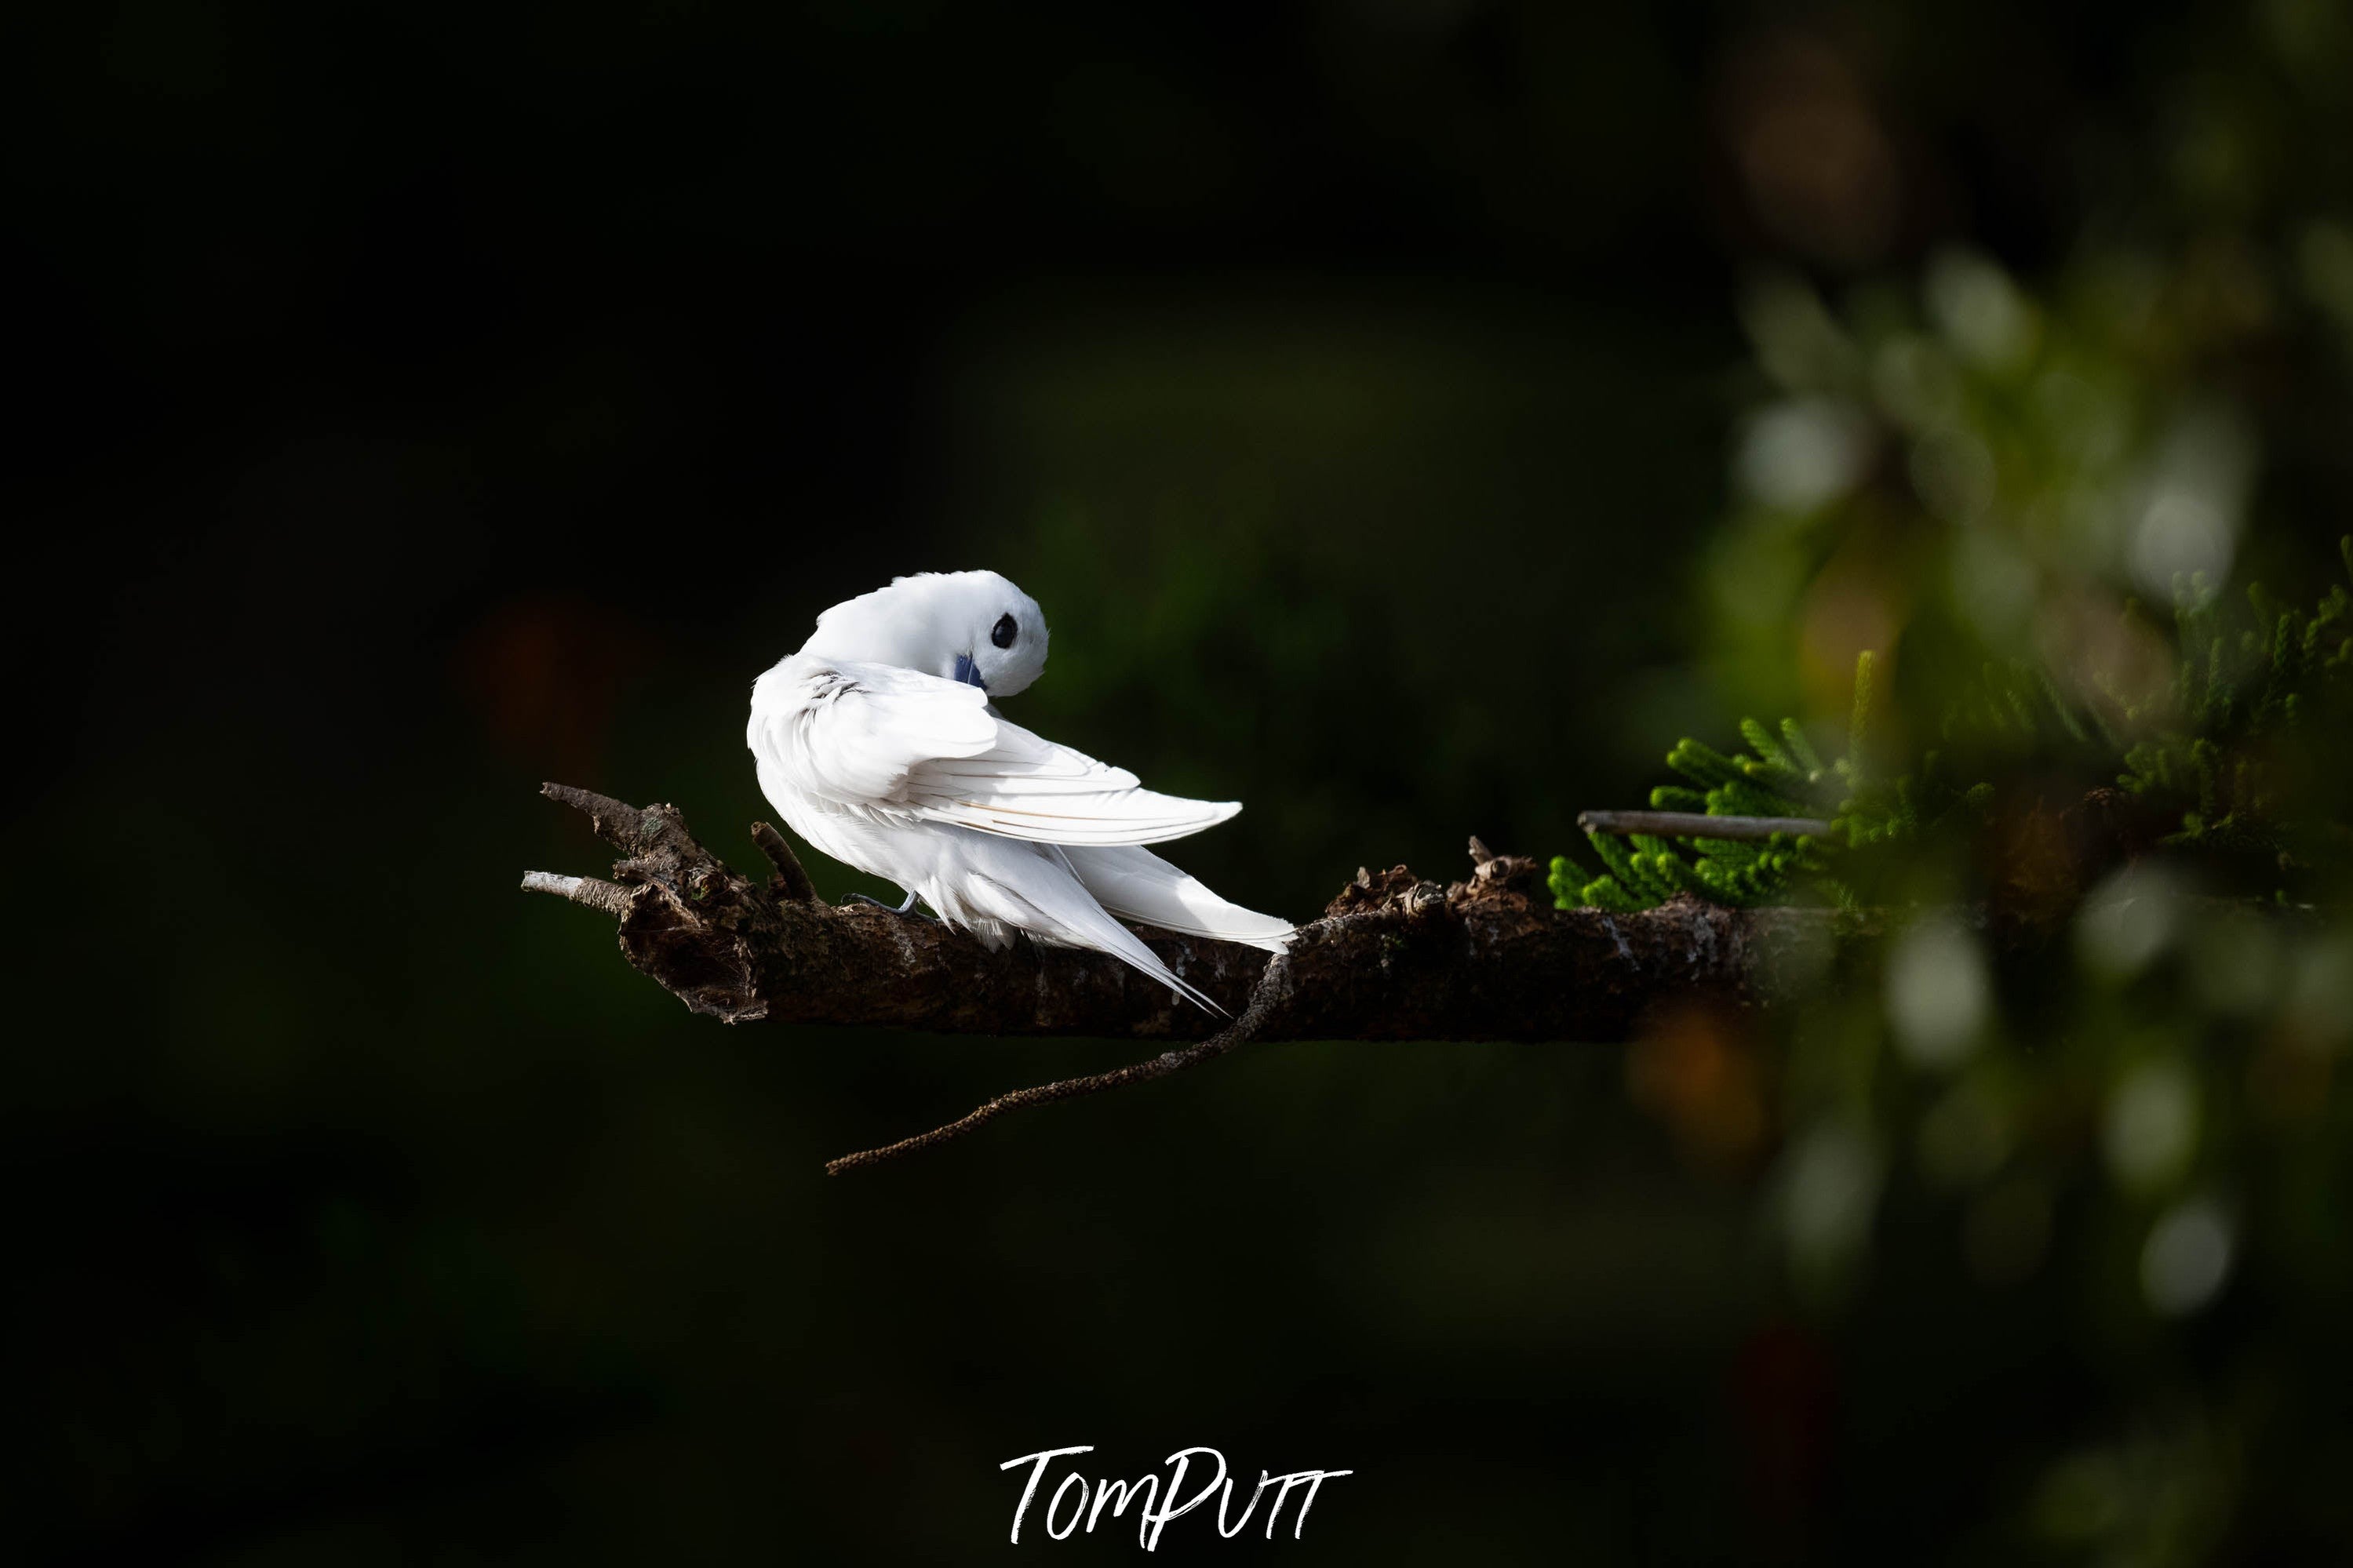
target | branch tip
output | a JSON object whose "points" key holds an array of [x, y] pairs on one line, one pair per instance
{"points": [[595, 892]]}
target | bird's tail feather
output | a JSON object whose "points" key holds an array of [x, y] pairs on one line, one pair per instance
{"points": [[1061, 909], [1136, 884]]}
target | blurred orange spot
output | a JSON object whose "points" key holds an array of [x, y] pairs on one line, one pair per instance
{"points": [[2289, 1080], [1693, 1070], [1820, 169], [1851, 609], [543, 676], [2033, 864]]}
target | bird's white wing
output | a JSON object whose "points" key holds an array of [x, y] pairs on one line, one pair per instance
{"points": [[1025, 786], [855, 733], [880, 736]]}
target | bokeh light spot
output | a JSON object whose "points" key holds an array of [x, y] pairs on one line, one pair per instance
{"points": [[2151, 1130], [1938, 994], [2188, 1258]]}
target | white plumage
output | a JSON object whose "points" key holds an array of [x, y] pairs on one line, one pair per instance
{"points": [[879, 743]]}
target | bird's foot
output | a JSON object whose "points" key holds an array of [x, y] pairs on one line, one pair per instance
{"points": [[906, 908]]}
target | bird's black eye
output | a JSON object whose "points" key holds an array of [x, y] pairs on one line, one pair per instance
{"points": [[1002, 633]]}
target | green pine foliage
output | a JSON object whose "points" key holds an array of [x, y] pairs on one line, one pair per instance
{"points": [[1780, 774], [2249, 742], [2249, 745]]}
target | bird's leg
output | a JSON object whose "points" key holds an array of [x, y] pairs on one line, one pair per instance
{"points": [[906, 908]]}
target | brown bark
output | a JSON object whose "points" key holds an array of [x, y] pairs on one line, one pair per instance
{"points": [[1393, 958]]}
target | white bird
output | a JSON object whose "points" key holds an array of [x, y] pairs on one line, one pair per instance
{"points": [[879, 743]]}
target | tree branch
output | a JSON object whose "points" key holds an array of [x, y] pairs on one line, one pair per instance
{"points": [[1394, 957]]}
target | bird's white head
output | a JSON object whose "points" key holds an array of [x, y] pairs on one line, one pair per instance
{"points": [[973, 626]]}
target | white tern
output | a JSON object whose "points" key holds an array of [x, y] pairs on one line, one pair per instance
{"points": [[879, 742]]}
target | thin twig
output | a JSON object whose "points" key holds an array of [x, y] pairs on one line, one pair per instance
{"points": [[595, 892], [1272, 986], [1699, 825], [797, 886]]}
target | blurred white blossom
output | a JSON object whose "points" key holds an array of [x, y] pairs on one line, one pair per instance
{"points": [[1979, 310], [2188, 1256], [1939, 995], [1831, 1192], [1803, 453], [2129, 920], [2151, 1130]]}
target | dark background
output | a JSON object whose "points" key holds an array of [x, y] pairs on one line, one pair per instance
{"points": [[415, 402]]}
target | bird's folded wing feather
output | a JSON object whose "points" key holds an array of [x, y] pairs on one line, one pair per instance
{"points": [[1027, 787], [880, 736], [854, 733]]}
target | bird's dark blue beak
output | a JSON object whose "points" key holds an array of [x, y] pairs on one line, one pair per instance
{"points": [[969, 672]]}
